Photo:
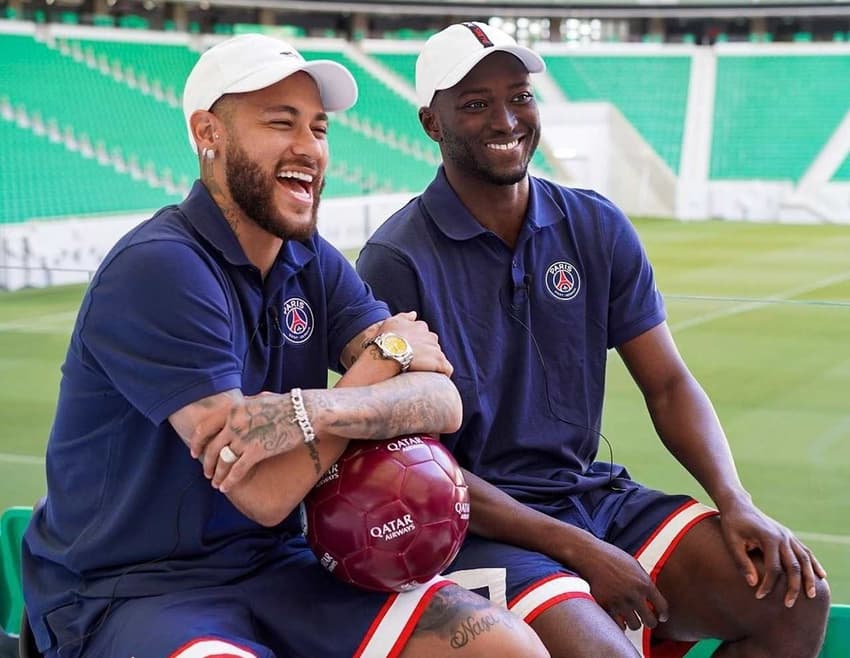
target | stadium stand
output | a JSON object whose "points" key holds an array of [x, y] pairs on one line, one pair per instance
{"points": [[774, 113], [111, 113], [45, 176], [650, 91]]}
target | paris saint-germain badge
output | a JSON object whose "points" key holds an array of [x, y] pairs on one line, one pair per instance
{"points": [[562, 280], [298, 321]]}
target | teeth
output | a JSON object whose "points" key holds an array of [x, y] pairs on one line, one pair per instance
{"points": [[503, 147], [297, 175]]}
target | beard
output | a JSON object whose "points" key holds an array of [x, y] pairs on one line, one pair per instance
{"points": [[460, 152], [253, 191]]}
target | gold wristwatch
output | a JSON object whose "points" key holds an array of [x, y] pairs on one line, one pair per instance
{"points": [[395, 347]]}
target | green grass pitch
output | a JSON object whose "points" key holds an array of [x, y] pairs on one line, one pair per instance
{"points": [[759, 311]]}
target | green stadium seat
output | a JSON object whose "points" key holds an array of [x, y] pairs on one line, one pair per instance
{"points": [[837, 644], [13, 523], [774, 113], [657, 111], [103, 20]]}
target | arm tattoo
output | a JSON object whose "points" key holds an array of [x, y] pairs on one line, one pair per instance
{"points": [[407, 404], [357, 344], [459, 616], [265, 419], [313, 449]]}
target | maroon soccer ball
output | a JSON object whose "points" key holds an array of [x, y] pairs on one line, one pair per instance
{"points": [[389, 515]]}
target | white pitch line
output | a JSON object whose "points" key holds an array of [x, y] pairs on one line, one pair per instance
{"points": [[749, 306], [53, 323], [31, 460], [823, 538], [818, 450]]}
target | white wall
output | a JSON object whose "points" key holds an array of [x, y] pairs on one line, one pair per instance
{"points": [[43, 253]]}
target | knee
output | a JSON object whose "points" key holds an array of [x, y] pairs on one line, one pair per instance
{"points": [[518, 641], [508, 637], [802, 626], [811, 613], [460, 623], [816, 609]]}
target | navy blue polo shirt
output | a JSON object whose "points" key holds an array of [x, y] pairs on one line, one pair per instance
{"points": [[527, 329], [175, 313]]}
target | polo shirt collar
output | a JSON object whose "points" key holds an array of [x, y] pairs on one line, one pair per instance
{"points": [[447, 211], [543, 209], [457, 223], [207, 219]]}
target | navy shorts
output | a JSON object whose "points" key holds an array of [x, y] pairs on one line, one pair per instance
{"points": [[646, 523], [290, 610]]}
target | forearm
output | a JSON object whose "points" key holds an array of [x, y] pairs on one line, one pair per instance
{"points": [[415, 402], [688, 426], [357, 407], [497, 516]]}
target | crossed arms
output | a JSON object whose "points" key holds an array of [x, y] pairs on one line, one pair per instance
{"points": [[276, 468]]}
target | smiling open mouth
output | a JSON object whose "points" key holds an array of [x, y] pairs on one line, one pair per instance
{"points": [[299, 183], [503, 147]]}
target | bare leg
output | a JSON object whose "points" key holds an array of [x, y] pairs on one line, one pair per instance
{"points": [[580, 628], [461, 624], [709, 597]]}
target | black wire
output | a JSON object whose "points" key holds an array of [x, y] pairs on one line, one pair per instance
{"points": [[549, 396], [113, 596]]}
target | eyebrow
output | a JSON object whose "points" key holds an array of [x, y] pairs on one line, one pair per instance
{"points": [[484, 90], [294, 111]]}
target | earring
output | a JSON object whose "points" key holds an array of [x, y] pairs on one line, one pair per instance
{"points": [[215, 136], [209, 154]]}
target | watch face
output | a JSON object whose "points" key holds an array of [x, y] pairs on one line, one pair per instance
{"points": [[395, 345]]}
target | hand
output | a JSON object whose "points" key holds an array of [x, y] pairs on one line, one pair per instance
{"points": [[427, 354], [747, 530], [620, 585], [257, 427]]}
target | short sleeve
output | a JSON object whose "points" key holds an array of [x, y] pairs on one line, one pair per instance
{"points": [[390, 276], [635, 305], [351, 304], [158, 324]]}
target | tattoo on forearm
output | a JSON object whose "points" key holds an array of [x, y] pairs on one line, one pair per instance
{"points": [[265, 420], [313, 449], [417, 402]]}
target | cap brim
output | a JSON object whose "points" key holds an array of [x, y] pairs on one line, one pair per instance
{"points": [[337, 87], [530, 59]]}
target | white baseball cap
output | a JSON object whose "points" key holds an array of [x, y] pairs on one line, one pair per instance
{"points": [[452, 53], [249, 62]]}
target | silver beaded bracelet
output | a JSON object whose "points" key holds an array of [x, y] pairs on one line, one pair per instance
{"points": [[301, 417]]}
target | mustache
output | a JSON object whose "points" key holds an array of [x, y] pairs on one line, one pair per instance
{"points": [[301, 162]]}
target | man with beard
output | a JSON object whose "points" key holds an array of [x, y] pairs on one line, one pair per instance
{"points": [[529, 284], [193, 414]]}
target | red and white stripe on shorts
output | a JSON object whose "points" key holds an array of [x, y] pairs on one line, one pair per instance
{"points": [[395, 622], [652, 556], [543, 594], [532, 601], [209, 647]]}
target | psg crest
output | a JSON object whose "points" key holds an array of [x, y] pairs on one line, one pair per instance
{"points": [[298, 321], [562, 280]]}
